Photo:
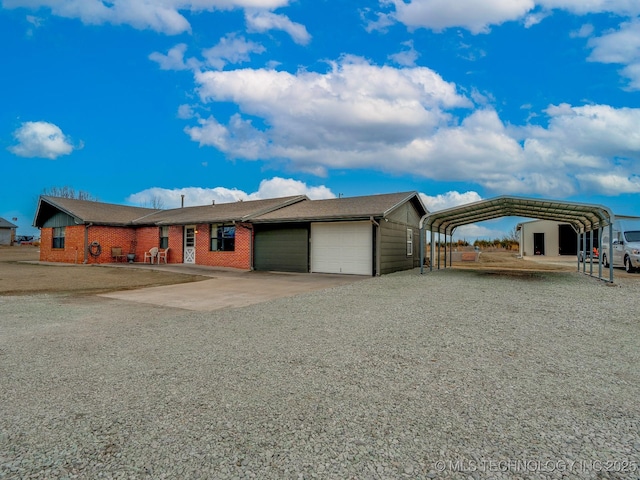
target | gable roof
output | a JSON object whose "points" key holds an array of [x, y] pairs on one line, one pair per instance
{"points": [[98, 213], [220, 212], [350, 208], [87, 211], [6, 224]]}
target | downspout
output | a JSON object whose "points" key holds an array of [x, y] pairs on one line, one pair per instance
{"points": [[86, 243], [422, 234], [377, 252]]}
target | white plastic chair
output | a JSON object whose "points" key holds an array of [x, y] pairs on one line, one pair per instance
{"points": [[151, 254], [163, 255]]}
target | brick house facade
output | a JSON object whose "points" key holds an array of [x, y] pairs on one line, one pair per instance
{"points": [[381, 229], [87, 231]]}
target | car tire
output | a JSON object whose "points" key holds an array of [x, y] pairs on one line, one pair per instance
{"points": [[627, 265], [604, 260]]}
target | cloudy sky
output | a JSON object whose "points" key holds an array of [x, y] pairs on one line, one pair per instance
{"points": [[462, 100]]}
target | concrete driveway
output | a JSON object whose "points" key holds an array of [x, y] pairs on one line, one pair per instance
{"points": [[228, 288]]}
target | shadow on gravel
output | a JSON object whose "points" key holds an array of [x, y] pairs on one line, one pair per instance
{"points": [[513, 274]]}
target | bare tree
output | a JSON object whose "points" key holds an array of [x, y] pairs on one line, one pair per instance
{"points": [[69, 192], [157, 202]]}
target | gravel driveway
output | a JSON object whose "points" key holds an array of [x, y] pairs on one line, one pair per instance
{"points": [[452, 374]]}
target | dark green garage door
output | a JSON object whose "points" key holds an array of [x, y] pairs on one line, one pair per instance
{"points": [[281, 249]]}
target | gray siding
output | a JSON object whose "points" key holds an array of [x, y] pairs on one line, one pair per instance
{"points": [[5, 236], [60, 219], [393, 240]]}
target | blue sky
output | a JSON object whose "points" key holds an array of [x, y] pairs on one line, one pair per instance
{"points": [[459, 100]]}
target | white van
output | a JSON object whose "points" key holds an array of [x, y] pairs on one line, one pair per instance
{"points": [[626, 245]]}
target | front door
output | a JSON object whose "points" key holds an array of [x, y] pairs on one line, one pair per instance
{"points": [[189, 244]]}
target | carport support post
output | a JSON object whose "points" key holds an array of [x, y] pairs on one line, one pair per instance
{"points": [[439, 249], [445, 249], [584, 248], [431, 249], [578, 251], [591, 252], [611, 251], [600, 230]]}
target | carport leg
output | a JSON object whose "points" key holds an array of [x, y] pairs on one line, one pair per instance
{"points": [[591, 252], [431, 250], [600, 253], [578, 251], [611, 251]]}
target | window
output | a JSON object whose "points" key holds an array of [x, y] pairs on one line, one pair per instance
{"points": [[58, 237], [164, 237], [409, 242], [223, 238]]}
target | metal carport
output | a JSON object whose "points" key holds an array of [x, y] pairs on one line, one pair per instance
{"points": [[584, 218]]}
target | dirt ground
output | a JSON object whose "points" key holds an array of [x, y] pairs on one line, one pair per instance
{"points": [[20, 278], [17, 277]]}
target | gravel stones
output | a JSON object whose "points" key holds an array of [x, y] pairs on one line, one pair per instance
{"points": [[451, 374]]}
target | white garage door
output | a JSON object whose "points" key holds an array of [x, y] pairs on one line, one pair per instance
{"points": [[342, 247]]}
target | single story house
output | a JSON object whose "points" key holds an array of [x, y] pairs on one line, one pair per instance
{"points": [[368, 235], [7, 232]]}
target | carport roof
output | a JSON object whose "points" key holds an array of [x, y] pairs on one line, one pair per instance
{"points": [[583, 217]]}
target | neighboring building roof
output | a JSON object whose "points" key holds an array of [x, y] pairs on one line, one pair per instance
{"points": [[220, 212], [351, 208], [86, 211], [6, 224]]}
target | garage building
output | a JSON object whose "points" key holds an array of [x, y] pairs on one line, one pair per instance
{"points": [[369, 235]]}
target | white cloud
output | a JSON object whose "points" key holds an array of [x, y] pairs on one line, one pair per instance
{"points": [[593, 140], [186, 112], [585, 31], [479, 16], [407, 57], [173, 60], [160, 15], [231, 49], [406, 121], [284, 187], [582, 7], [621, 46], [355, 107], [612, 183], [271, 188], [448, 200], [41, 139], [262, 21], [473, 15]]}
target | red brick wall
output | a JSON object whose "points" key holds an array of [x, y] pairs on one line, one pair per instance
{"points": [[145, 238], [74, 246], [73, 251], [240, 258], [176, 253]]}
